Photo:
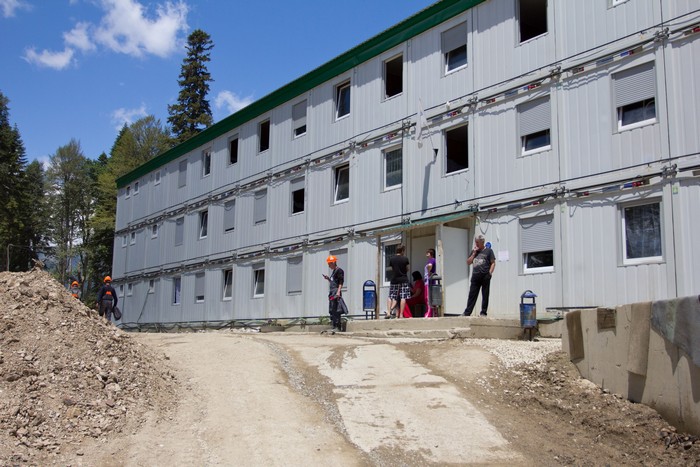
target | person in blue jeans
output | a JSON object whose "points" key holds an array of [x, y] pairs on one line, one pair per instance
{"points": [[483, 262]]}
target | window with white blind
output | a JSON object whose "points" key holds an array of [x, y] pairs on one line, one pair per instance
{"points": [[230, 215], [260, 207], [641, 233], [534, 122], [299, 119], [294, 275], [182, 174], [296, 188], [537, 244], [179, 230], [635, 96], [454, 47], [393, 168], [199, 287], [177, 287]]}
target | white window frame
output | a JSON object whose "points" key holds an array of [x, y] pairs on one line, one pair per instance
{"points": [[337, 170], [385, 64], [203, 224], [340, 90], [120, 293], [519, 23], [129, 289], [128, 191], [296, 185], [258, 275], [386, 268], [231, 140], [232, 203], [200, 282], [299, 114], [206, 163], [136, 188], [180, 221], [391, 152], [182, 174], [124, 241], [133, 238], [177, 290], [540, 224], [634, 86], [261, 134], [151, 286], [623, 231], [447, 152], [614, 3], [453, 40], [260, 207], [534, 117], [342, 255], [154, 231], [157, 178], [295, 275], [227, 285]]}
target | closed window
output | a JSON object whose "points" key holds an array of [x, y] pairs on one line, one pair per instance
{"points": [[393, 77], [299, 118], [233, 150], [341, 183], [260, 207], [133, 238], [393, 168], [532, 18], [259, 280], [206, 162], [128, 191], [177, 286], [129, 289], [182, 174], [296, 188], [264, 136], [230, 215], [179, 230], [534, 121], [635, 96], [154, 231], [199, 287], [641, 232], [537, 244], [124, 241], [136, 188], [151, 286], [228, 284], [342, 99], [454, 47], [294, 275], [157, 178], [456, 149], [203, 224]]}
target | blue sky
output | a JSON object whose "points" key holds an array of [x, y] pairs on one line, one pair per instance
{"points": [[82, 68]]}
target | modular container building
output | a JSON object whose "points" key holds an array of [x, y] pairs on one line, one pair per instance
{"points": [[564, 131]]}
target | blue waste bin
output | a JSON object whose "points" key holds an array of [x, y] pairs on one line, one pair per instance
{"points": [[528, 311], [369, 299]]}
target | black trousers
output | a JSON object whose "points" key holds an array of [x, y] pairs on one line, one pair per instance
{"points": [[106, 308], [335, 312], [483, 282]]}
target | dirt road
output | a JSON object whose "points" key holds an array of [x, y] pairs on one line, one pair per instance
{"points": [[308, 399]]}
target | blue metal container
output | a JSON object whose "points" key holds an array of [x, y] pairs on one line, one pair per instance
{"points": [[528, 311]]}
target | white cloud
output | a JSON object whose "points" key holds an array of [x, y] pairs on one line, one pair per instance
{"points": [[126, 29], [9, 7], [127, 116], [79, 37], [231, 101], [55, 60]]}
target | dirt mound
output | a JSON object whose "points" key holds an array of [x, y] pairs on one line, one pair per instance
{"points": [[66, 375]]}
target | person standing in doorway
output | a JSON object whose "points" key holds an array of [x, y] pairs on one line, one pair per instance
{"points": [[429, 269], [399, 287], [483, 262], [335, 284], [106, 299]]}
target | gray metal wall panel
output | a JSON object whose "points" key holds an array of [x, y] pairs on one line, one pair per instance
{"points": [[681, 78], [687, 221]]}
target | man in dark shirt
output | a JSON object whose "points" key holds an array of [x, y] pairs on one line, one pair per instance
{"points": [[335, 284], [107, 299], [399, 287], [484, 262]]}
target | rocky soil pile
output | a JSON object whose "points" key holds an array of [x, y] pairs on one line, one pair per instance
{"points": [[66, 375]]}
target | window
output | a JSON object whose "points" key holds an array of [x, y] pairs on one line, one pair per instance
{"points": [[635, 96], [534, 121], [260, 207], [199, 287], [133, 238], [154, 231], [179, 230], [128, 191], [341, 183], [129, 289], [124, 241], [136, 188], [393, 77], [206, 162], [121, 290], [454, 47], [537, 244], [294, 275], [228, 284], [177, 285], [264, 136], [182, 174], [456, 149], [532, 18], [157, 181], [641, 233], [299, 118], [342, 100], [393, 168], [203, 224], [230, 216], [297, 195], [342, 257], [616, 2], [233, 150], [151, 286], [389, 251], [259, 280]]}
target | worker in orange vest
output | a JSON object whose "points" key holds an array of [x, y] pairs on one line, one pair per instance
{"points": [[107, 299], [75, 289]]}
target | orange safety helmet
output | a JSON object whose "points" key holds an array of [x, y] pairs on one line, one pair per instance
{"points": [[108, 279], [75, 284], [331, 259]]}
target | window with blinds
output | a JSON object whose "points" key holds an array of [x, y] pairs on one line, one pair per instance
{"points": [[199, 287], [230, 216], [635, 96], [294, 275], [260, 207], [182, 174], [537, 244], [534, 122], [299, 118], [454, 47], [296, 188], [179, 230]]}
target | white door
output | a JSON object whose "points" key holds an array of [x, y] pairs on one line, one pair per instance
{"points": [[419, 245], [455, 273]]}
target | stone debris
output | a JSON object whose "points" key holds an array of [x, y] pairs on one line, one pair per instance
{"points": [[65, 373]]}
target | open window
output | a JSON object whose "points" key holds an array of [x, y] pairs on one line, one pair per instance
{"points": [[230, 215], [260, 207], [299, 119], [341, 183], [296, 188], [233, 150], [342, 99], [177, 287], [454, 47], [532, 18], [537, 244], [203, 224], [199, 287], [393, 77], [227, 284], [635, 96], [264, 136], [259, 280], [206, 162], [456, 149], [534, 122]]}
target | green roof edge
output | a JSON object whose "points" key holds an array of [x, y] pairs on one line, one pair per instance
{"points": [[395, 35]]}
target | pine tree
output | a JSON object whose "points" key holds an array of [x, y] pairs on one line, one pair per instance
{"points": [[192, 112]]}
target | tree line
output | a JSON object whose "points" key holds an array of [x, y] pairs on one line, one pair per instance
{"points": [[64, 214]]}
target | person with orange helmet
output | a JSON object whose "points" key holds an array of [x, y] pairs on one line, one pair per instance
{"points": [[335, 284], [107, 299], [75, 289]]}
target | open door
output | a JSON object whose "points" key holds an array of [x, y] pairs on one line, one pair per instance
{"points": [[455, 272]]}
